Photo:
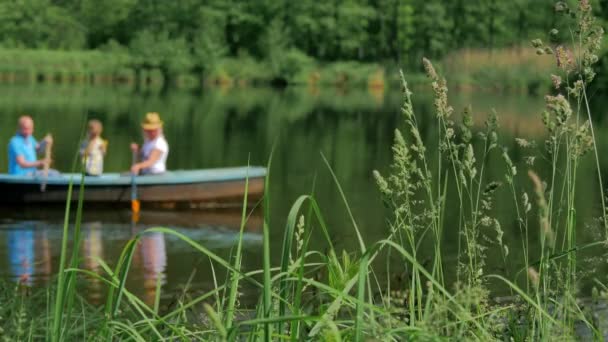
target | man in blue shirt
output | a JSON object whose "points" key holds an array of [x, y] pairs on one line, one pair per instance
{"points": [[22, 148]]}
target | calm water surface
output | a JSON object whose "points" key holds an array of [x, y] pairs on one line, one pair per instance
{"points": [[220, 128]]}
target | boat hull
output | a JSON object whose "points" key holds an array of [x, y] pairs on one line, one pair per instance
{"points": [[179, 190]]}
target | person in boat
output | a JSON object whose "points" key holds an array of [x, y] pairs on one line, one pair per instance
{"points": [[154, 152], [93, 149], [23, 149]]}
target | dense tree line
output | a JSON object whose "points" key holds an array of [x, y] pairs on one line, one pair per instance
{"points": [[193, 34]]}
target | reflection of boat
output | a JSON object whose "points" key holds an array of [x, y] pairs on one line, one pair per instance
{"points": [[225, 218], [186, 189], [229, 220]]}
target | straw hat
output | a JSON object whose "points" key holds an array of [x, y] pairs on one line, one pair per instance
{"points": [[152, 121]]}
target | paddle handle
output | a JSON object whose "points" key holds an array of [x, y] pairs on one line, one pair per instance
{"points": [[45, 169]]}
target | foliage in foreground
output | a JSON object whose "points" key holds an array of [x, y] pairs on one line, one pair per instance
{"points": [[333, 295]]}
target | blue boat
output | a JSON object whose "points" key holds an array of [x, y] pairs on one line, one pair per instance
{"points": [[221, 187]]}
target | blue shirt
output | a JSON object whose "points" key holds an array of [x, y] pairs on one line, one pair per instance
{"points": [[21, 253], [20, 146]]}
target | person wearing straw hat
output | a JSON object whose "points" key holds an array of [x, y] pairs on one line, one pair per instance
{"points": [[154, 152]]}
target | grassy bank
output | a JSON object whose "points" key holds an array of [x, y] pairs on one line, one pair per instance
{"points": [[498, 70], [112, 67], [518, 69]]}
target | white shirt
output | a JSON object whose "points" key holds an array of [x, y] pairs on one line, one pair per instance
{"points": [[157, 144], [92, 152]]}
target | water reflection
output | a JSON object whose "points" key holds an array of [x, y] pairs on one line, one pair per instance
{"points": [[28, 252], [21, 253], [92, 251], [93, 246], [45, 263], [154, 261], [33, 247], [354, 130]]}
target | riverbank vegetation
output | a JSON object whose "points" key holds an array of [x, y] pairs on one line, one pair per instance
{"points": [[334, 295], [193, 43], [513, 70]]}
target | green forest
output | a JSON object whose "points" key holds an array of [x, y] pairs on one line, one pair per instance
{"points": [[276, 40]]}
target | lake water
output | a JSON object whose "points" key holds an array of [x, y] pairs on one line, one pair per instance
{"points": [[219, 128]]}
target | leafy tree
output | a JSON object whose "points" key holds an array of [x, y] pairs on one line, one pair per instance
{"points": [[196, 35], [352, 22], [101, 18], [209, 42], [39, 24], [275, 43], [432, 28], [158, 50], [405, 31]]}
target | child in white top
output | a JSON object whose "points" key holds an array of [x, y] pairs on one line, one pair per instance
{"points": [[93, 149], [155, 150]]}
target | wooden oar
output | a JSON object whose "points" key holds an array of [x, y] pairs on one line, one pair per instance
{"points": [[45, 170], [134, 200]]}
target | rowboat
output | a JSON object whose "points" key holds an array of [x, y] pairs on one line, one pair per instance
{"points": [[207, 188]]}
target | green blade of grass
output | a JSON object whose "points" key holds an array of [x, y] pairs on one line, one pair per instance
{"points": [[266, 249], [524, 296], [287, 318], [350, 213], [234, 286], [216, 320], [295, 325], [157, 293], [122, 270], [61, 283], [461, 313], [286, 249], [71, 277], [360, 298]]}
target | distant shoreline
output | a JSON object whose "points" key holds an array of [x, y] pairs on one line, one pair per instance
{"points": [[502, 70]]}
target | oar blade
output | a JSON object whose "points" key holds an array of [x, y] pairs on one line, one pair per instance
{"points": [[135, 206]]}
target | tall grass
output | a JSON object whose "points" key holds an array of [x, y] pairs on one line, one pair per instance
{"points": [[335, 295]]}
